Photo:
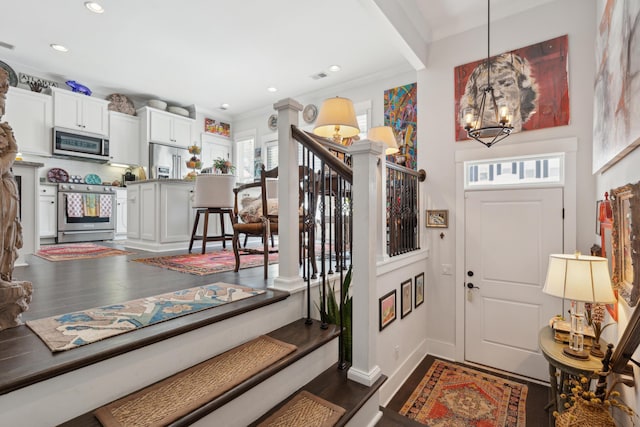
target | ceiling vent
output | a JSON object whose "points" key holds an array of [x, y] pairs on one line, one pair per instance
{"points": [[7, 45], [320, 75]]}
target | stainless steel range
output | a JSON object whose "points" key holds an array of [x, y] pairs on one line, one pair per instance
{"points": [[85, 212]]}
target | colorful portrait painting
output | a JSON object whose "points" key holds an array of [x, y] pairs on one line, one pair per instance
{"points": [[400, 112], [531, 81], [616, 128]]}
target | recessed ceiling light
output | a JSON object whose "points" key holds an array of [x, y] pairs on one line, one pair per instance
{"points": [[335, 68], [59, 47], [224, 106], [272, 89], [93, 7]]}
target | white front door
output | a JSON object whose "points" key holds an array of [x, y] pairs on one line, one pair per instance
{"points": [[509, 235]]}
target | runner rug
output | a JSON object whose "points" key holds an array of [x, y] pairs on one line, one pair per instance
{"points": [[71, 251], [71, 330], [305, 409], [209, 263], [166, 401], [455, 395]]}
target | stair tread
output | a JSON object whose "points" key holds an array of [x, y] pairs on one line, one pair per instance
{"points": [[334, 386], [391, 418], [307, 338]]}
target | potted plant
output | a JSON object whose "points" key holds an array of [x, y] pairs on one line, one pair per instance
{"points": [[224, 166], [330, 312]]}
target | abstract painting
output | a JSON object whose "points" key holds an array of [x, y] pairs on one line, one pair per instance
{"points": [[400, 112], [532, 81], [616, 128]]}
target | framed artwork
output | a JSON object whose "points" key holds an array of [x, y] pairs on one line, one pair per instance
{"points": [[387, 312], [419, 289], [401, 113], [598, 224], [532, 79], [625, 241], [217, 127], [616, 130], [405, 298], [437, 218]]}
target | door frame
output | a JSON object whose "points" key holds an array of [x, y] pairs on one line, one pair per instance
{"points": [[568, 146]]}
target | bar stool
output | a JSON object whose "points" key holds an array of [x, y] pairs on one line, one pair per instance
{"points": [[213, 195]]}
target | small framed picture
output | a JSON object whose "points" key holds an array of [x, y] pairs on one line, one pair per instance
{"points": [[405, 298], [419, 289], [387, 309], [437, 218]]}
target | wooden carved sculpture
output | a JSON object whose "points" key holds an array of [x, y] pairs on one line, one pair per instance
{"points": [[15, 296]]}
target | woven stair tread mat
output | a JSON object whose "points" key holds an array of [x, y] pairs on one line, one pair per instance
{"points": [[305, 409], [176, 396]]}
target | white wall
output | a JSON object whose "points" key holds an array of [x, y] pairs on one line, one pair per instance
{"points": [[437, 142]]}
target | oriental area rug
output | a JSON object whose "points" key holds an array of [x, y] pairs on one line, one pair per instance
{"points": [[67, 331], [73, 251], [209, 263], [172, 398], [454, 395]]}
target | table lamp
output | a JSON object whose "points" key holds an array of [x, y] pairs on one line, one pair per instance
{"points": [[579, 278], [337, 119], [384, 134]]}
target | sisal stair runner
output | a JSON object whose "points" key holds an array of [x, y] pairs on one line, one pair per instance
{"points": [[168, 400], [305, 409]]}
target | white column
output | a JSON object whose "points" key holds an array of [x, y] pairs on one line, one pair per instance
{"points": [[288, 196], [366, 185]]}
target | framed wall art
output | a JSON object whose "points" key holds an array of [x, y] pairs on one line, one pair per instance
{"points": [[419, 290], [401, 113], [625, 241], [406, 303], [533, 80], [437, 218], [616, 130], [387, 311], [217, 127]]}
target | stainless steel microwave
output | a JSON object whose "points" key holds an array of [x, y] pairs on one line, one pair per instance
{"points": [[81, 145]]}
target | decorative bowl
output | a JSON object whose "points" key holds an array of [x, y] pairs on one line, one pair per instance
{"points": [[156, 103], [178, 110]]}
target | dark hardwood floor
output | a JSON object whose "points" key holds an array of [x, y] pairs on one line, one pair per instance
{"points": [[67, 286], [537, 396]]}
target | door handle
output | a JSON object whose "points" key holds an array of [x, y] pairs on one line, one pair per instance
{"points": [[472, 286]]}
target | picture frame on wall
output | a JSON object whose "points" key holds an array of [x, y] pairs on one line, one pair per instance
{"points": [[419, 290], [405, 298], [625, 242], [437, 218], [217, 127], [387, 309]]}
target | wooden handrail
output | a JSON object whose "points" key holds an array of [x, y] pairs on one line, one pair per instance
{"points": [[320, 150], [421, 174]]}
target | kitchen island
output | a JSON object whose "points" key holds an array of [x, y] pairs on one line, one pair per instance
{"points": [[159, 214]]}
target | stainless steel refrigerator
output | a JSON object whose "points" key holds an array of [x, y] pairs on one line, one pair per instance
{"points": [[168, 162]]}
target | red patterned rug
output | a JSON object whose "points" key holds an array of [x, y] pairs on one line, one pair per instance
{"points": [[72, 251], [209, 263], [457, 396]]}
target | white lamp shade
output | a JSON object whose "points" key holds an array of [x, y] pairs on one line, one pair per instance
{"points": [[384, 134], [579, 278], [337, 112]]}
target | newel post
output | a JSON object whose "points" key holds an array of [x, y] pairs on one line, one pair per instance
{"points": [[366, 184], [288, 194]]}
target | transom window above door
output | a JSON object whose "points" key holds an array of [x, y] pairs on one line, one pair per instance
{"points": [[516, 171]]}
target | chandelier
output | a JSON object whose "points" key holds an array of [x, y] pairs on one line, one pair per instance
{"points": [[489, 122]]}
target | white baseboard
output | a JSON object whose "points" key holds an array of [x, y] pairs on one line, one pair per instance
{"points": [[397, 378], [441, 349]]}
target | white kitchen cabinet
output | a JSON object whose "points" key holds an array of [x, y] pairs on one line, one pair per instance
{"points": [[48, 211], [166, 128], [80, 112], [175, 212], [133, 212], [160, 214], [124, 138], [121, 214], [30, 114]]}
